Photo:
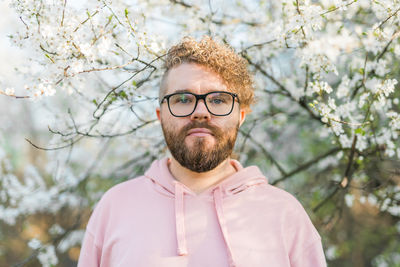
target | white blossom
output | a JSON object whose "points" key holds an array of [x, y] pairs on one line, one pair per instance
{"points": [[337, 127], [318, 87], [331, 103], [388, 87], [56, 229], [394, 210], [34, 243], [344, 87], [346, 109], [394, 120], [345, 141], [10, 91], [47, 256], [330, 252], [361, 143], [72, 239], [372, 200], [349, 199], [362, 100]]}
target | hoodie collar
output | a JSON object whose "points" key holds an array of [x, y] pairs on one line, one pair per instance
{"points": [[160, 174]]}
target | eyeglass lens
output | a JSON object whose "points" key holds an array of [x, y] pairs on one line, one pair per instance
{"points": [[217, 103]]}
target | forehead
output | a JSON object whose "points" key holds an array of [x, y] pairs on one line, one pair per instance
{"points": [[194, 78]]}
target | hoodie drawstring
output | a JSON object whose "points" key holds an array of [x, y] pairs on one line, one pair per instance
{"points": [[221, 219], [180, 220]]}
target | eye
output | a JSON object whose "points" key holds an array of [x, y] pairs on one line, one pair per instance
{"points": [[219, 98], [217, 101], [182, 99]]}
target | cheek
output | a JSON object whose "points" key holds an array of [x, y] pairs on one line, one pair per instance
{"points": [[170, 122], [165, 115], [230, 122]]}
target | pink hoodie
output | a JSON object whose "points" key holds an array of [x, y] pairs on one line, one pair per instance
{"points": [[156, 221]]}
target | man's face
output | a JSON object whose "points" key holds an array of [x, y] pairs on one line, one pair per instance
{"points": [[200, 141]]}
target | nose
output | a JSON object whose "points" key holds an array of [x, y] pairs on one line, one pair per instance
{"points": [[200, 112]]}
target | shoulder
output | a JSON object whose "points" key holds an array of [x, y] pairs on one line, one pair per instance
{"points": [[285, 206], [277, 196], [122, 193], [125, 190], [127, 186], [295, 219], [116, 198]]}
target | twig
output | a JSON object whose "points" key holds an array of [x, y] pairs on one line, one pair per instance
{"points": [[181, 3], [14, 96], [54, 148], [307, 165], [346, 179], [266, 153], [62, 19], [394, 36], [147, 65], [285, 91], [256, 45], [336, 8], [383, 22]]}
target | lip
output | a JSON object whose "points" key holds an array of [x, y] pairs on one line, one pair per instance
{"points": [[199, 132]]}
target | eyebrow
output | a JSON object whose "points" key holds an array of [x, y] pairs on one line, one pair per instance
{"points": [[188, 91], [182, 91]]}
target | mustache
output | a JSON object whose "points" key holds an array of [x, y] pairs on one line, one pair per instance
{"points": [[196, 124]]}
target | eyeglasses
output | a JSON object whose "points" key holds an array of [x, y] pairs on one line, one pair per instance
{"points": [[218, 103]]}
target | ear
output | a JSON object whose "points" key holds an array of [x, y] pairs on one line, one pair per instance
{"points": [[242, 116], [158, 112]]}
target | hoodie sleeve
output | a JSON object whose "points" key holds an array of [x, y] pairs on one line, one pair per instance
{"points": [[313, 256], [302, 240], [92, 247], [90, 253]]}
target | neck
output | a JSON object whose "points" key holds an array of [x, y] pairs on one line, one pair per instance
{"points": [[199, 182]]}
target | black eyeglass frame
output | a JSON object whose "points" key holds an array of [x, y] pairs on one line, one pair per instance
{"points": [[198, 97]]}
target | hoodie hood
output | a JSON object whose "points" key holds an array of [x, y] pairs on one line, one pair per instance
{"points": [[233, 185]]}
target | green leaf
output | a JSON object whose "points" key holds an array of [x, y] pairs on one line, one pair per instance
{"points": [[122, 94], [360, 131], [49, 58], [95, 102]]}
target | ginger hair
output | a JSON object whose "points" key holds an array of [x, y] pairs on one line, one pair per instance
{"points": [[220, 58]]}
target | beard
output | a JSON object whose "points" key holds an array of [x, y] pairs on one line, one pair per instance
{"points": [[200, 157]]}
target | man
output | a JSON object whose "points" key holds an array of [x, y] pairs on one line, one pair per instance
{"points": [[201, 208]]}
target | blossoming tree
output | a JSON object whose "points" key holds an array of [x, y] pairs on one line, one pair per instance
{"points": [[325, 125]]}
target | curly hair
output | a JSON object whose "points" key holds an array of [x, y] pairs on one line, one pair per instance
{"points": [[220, 58]]}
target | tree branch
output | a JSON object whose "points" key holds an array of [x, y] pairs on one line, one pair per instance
{"points": [[346, 179], [265, 152], [307, 165]]}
